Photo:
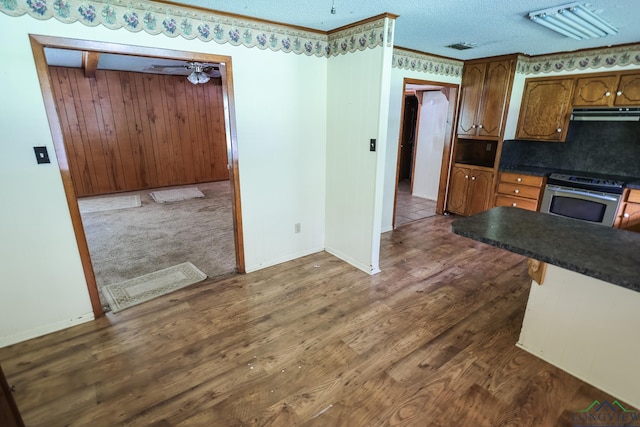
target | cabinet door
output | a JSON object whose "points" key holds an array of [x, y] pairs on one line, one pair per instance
{"points": [[494, 98], [628, 93], [630, 217], [479, 194], [595, 91], [545, 110], [471, 92], [457, 189]]}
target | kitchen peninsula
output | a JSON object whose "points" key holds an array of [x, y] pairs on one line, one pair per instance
{"points": [[584, 317]]}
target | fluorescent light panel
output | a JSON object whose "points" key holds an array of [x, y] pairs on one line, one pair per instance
{"points": [[573, 20]]}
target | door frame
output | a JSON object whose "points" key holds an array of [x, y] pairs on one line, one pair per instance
{"points": [[451, 91], [38, 44]]}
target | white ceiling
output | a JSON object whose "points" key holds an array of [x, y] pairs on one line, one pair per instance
{"points": [[496, 26]]}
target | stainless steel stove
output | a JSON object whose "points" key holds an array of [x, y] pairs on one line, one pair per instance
{"points": [[592, 199]]}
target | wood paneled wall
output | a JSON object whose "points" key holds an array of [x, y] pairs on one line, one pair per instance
{"points": [[126, 131]]}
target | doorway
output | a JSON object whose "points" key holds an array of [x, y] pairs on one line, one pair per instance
{"points": [[424, 149], [39, 43]]}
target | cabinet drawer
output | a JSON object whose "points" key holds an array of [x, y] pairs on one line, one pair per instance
{"points": [[517, 202], [634, 196], [519, 190], [517, 178]]}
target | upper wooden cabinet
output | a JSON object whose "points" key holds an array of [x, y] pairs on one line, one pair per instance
{"points": [[485, 90], [546, 109], [608, 90]]}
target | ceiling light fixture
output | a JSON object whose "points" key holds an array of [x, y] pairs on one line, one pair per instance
{"points": [[573, 20], [198, 76], [333, 8]]}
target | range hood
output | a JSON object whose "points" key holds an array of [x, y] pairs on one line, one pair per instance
{"points": [[631, 114]]}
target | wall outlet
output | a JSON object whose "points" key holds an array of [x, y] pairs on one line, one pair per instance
{"points": [[297, 227]]}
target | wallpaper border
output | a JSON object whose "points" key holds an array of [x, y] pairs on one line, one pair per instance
{"points": [[174, 21]]}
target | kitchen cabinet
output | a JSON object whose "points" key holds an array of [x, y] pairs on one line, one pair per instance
{"points": [[628, 217], [608, 90], [469, 190], [485, 89], [546, 109], [519, 190]]}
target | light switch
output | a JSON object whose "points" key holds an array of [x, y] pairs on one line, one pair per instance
{"points": [[372, 144], [42, 156]]}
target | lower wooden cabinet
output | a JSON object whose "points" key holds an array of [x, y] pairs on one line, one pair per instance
{"points": [[628, 217], [519, 190], [469, 190]]}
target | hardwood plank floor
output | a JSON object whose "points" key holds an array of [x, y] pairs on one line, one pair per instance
{"points": [[315, 342]]}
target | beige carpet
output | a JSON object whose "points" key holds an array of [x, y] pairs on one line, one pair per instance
{"points": [[140, 289], [128, 243]]}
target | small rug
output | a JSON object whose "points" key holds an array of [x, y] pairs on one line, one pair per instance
{"points": [[101, 204], [176, 195], [140, 289]]}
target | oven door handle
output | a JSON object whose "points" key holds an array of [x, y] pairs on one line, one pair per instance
{"points": [[581, 193]]}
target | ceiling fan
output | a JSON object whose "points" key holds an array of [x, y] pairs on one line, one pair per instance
{"points": [[201, 72]]}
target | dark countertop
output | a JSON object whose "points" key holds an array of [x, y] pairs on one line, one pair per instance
{"points": [[608, 254]]}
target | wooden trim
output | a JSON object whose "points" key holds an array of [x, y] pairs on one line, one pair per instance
{"points": [[419, 52], [90, 63], [446, 149], [536, 270], [38, 43], [364, 21], [232, 156], [586, 50], [237, 16], [510, 56]]}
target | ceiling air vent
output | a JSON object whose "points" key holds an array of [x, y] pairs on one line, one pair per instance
{"points": [[462, 46]]}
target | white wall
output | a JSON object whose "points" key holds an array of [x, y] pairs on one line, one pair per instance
{"points": [[281, 128], [353, 172], [396, 98], [432, 131]]}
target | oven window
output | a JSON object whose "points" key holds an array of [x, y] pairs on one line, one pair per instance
{"points": [[578, 208]]}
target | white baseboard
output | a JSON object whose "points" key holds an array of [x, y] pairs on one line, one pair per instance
{"points": [[271, 263], [371, 270], [44, 330]]}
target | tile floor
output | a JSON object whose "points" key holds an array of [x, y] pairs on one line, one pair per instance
{"points": [[411, 208]]}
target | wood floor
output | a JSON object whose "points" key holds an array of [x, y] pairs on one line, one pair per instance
{"points": [[430, 341]]}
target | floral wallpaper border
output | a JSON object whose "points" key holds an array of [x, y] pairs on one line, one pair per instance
{"points": [[174, 21], [425, 63], [591, 59], [368, 35]]}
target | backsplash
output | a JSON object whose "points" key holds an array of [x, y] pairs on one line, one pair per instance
{"points": [[611, 148]]}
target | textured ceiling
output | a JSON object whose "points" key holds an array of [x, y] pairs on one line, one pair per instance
{"points": [[496, 26]]}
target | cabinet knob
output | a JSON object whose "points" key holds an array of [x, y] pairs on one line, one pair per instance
{"points": [[519, 179], [626, 215], [516, 191], [479, 126], [514, 204], [618, 93], [559, 130], [607, 93], [473, 178], [466, 177]]}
